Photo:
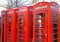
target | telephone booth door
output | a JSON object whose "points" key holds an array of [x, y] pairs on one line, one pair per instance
{"points": [[23, 28], [2, 25], [10, 26], [55, 22], [5, 26], [40, 26], [40, 22]]}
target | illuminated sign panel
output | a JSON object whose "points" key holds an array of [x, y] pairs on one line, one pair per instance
{"points": [[54, 7], [41, 7], [22, 10]]}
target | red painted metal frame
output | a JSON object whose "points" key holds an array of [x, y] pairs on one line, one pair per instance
{"points": [[31, 22], [59, 27], [48, 29], [26, 26], [14, 27], [0, 30]]}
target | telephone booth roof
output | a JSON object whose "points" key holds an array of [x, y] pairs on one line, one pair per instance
{"points": [[54, 3], [11, 10], [46, 3], [41, 3], [25, 7], [22, 9]]}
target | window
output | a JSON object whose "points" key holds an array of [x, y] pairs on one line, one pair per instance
{"points": [[40, 24], [9, 18], [40, 20], [21, 40], [55, 35], [21, 28], [21, 20], [55, 30], [55, 26], [55, 40]]}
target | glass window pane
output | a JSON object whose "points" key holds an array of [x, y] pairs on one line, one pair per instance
{"points": [[55, 26], [55, 35], [40, 20], [55, 40]]}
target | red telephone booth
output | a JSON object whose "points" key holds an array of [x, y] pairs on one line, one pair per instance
{"points": [[1, 30], [55, 21], [23, 24], [10, 26], [45, 22], [2, 25]]}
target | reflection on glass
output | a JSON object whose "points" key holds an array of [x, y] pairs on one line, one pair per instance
{"points": [[39, 20], [55, 26], [21, 28], [9, 28], [39, 25]]}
